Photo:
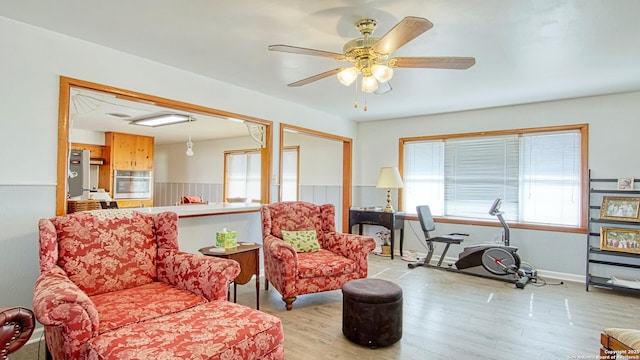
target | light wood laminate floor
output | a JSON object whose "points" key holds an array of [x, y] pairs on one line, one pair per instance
{"points": [[453, 316]]}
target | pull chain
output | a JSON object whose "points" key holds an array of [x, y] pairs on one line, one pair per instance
{"points": [[355, 103], [365, 101]]}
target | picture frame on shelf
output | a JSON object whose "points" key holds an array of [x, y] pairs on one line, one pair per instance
{"points": [[621, 240], [620, 208], [625, 184]]}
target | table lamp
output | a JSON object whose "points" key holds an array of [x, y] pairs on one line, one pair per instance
{"points": [[389, 178]]}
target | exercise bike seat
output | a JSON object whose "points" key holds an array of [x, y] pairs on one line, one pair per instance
{"points": [[428, 224]]}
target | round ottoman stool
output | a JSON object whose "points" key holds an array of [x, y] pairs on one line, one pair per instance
{"points": [[372, 312]]}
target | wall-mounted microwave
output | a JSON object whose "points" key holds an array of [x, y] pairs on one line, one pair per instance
{"points": [[132, 184]]}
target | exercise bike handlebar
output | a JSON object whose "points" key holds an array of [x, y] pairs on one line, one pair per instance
{"points": [[495, 210]]}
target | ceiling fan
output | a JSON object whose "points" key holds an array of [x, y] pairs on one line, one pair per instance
{"points": [[369, 56]]}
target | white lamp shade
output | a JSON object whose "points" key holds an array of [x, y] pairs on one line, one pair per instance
{"points": [[348, 76], [382, 73], [369, 84], [389, 178]]}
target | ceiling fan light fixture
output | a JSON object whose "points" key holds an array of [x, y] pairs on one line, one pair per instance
{"points": [[369, 84], [382, 73], [348, 75]]}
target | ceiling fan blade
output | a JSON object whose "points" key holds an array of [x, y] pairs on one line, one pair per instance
{"points": [[459, 63], [406, 30], [315, 77], [305, 51]]}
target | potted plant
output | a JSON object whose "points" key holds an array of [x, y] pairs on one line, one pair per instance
{"points": [[385, 237]]}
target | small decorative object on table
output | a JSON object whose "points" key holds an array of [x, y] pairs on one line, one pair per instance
{"points": [[385, 236], [227, 239]]}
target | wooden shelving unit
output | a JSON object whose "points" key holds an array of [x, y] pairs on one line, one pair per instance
{"points": [[602, 264]]}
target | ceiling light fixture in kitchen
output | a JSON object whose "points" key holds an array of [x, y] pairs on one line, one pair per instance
{"points": [[189, 143], [189, 147], [163, 119]]}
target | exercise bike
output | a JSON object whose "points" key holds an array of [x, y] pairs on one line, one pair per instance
{"points": [[496, 261]]}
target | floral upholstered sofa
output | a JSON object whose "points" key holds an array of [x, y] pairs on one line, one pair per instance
{"points": [[336, 259], [113, 285]]}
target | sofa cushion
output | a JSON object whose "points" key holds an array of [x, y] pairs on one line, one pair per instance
{"points": [[107, 250], [302, 241], [629, 337], [122, 307], [215, 330], [324, 263]]}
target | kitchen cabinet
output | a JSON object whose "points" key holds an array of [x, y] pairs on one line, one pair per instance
{"points": [[96, 151], [130, 152], [134, 203], [126, 152]]}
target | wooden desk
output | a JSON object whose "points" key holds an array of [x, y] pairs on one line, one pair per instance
{"points": [[392, 221], [248, 256]]}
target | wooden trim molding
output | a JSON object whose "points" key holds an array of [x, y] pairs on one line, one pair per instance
{"points": [[67, 83], [347, 164]]}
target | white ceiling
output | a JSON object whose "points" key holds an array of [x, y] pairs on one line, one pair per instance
{"points": [[101, 112], [525, 50]]}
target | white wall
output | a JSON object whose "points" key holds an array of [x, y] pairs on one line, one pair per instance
{"points": [[32, 61], [614, 125], [205, 166], [320, 159]]}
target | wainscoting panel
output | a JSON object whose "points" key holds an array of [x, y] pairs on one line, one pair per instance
{"points": [[167, 194], [324, 194]]}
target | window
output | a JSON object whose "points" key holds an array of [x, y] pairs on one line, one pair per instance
{"points": [[242, 174], [290, 170], [536, 173]]}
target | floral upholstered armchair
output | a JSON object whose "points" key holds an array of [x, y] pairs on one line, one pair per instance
{"points": [[295, 265], [113, 284]]}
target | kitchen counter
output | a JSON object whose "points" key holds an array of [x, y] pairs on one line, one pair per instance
{"points": [[199, 223], [194, 210]]}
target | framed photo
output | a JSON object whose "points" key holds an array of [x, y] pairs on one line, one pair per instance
{"points": [[620, 208], [623, 240], [625, 183]]}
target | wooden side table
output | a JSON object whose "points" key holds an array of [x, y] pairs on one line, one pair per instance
{"points": [[248, 256], [391, 220]]}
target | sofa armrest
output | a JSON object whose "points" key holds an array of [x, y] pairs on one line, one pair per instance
{"points": [[278, 249], [352, 246], [207, 276], [280, 261], [16, 326], [57, 301]]}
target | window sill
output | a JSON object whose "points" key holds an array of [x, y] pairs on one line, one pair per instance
{"points": [[496, 223]]}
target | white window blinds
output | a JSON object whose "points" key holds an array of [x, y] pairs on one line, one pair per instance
{"points": [[243, 175], [289, 181], [537, 175]]}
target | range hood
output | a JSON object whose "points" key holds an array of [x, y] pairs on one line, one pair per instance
{"points": [[96, 161]]}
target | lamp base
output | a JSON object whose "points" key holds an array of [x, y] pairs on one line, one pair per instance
{"points": [[388, 208]]}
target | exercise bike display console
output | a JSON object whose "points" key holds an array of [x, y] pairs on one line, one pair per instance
{"points": [[497, 261]]}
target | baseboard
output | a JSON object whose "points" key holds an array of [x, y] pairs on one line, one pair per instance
{"points": [[541, 273], [36, 335]]}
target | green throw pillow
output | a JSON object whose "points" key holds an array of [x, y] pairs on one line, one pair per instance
{"points": [[302, 241]]}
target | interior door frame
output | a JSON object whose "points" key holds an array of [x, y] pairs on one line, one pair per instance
{"points": [[347, 165], [67, 83]]}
